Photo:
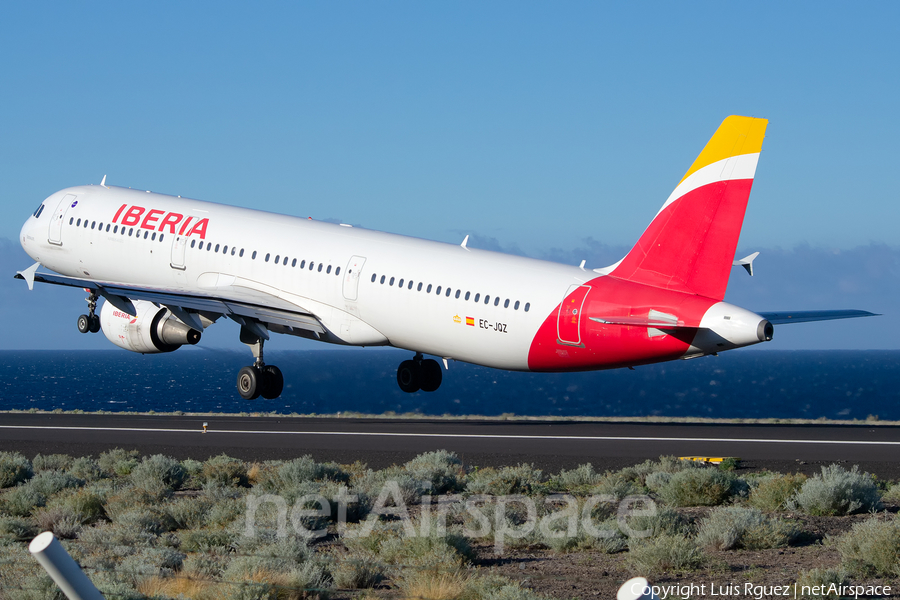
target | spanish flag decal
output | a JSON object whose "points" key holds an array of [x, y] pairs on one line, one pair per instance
{"points": [[470, 321]]}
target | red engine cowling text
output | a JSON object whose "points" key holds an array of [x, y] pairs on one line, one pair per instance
{"points": [[160, 220]]}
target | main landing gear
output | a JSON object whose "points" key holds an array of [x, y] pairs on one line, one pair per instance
{"points": [[258, 379], [90, 322], [418, 374]]}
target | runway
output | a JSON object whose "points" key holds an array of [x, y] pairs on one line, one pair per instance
{"points": [[550, 445]]}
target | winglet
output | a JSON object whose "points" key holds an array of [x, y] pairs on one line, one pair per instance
{"points": [[464, 242], [747, 262], [103, 183], [28, 275]]}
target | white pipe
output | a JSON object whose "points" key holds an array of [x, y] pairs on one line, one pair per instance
{"points": [[636, 589], [62, 568]]}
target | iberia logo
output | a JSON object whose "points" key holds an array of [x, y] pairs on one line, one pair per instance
{"points": [[470, 321], [456, 319]]}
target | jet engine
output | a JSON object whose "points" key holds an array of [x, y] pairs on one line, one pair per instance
{"points": [[154, 329]]}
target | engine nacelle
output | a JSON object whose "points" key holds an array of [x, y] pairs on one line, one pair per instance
{"points": [[153, 330]]}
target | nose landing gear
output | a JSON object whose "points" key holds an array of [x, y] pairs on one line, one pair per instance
{"points": [[418, 374], [258, 379], [89, 322]]}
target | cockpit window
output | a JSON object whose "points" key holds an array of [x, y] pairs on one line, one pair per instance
{"points": [[37, 213]]}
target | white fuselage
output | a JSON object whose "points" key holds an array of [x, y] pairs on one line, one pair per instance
{"points": [[265, 258]]}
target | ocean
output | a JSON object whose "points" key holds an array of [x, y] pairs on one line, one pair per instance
{"points": [[833, 384]]}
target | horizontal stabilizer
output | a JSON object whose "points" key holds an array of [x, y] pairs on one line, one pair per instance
{"points": [[747, 262], [806, 316]]}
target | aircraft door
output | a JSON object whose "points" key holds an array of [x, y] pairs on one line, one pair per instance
{"points": [[55, 234], [568, 325], [351, 277], [178, 246]]}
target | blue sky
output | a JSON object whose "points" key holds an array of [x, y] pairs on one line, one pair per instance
{"points": [[554, 130]]}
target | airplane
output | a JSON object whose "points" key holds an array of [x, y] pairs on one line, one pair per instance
{"points": [[168, 267]]}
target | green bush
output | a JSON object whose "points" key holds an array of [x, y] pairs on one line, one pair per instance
{"points": [[871, 548], [224, 470], [83, 503], [356, 572], [188, 513], [697, 487], [22, 500], [521, 479], [51, 462], [157, 473], [64, 523], [773, 492], [16, 528], [731, 527], [578, 480], [837, 491], [86, 468], [205, 540], [892, 494], [660, 555], [665, 521], [442, 469], [14, 468], [118, 462], [665, 464]]}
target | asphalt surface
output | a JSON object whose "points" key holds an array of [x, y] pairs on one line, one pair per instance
{"points": [[549, 445]]}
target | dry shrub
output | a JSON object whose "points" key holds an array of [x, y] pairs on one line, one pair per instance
{"points": [[665, 553], [448, 585], [773, 493], [698, 487], [837, 491], [731, 527], [871, 548], [181, 587]]}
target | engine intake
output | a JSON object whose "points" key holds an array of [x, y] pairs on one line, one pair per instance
{"points": [[154, 329]]}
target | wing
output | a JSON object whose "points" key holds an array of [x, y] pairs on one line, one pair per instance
{"points": [[187, 306], [805, 316]]}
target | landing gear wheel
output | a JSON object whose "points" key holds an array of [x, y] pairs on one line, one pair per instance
{"points": [[95, 324], [272, 382], [84, 323], [431, 375], [409, 376], [248, 383]]}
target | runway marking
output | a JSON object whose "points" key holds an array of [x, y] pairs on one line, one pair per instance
{"points": [[461, 435]]}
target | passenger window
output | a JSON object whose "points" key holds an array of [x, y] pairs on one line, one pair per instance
{"points": [[277, 258], [294, 263], [428, 289], [130, 231], [320, 268], [71, 219], [400, 284], [337, 271], [267, 257], [233, 250], [409, 287], [303, 264], [497, 301], [448, 293], [161, 236], [224, 249], [477, 297], [253, 256], [192, 241], [116, 229], [284, 262], [506, 303], [311, 265], [241, 254], [78, 224], [391, 282], [516, 305], [85, 223], [100, 227], [382, 279], [154, 236], [487, 298], [217, 247], [419, 287], [373, 277], [146, 233], [93, 223], [107, 227], [467, 295], [527, 306], [328, 270], [438, 291], [457, 294]]}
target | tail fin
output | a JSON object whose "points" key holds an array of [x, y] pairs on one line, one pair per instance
{"points": [[690, 244]]}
